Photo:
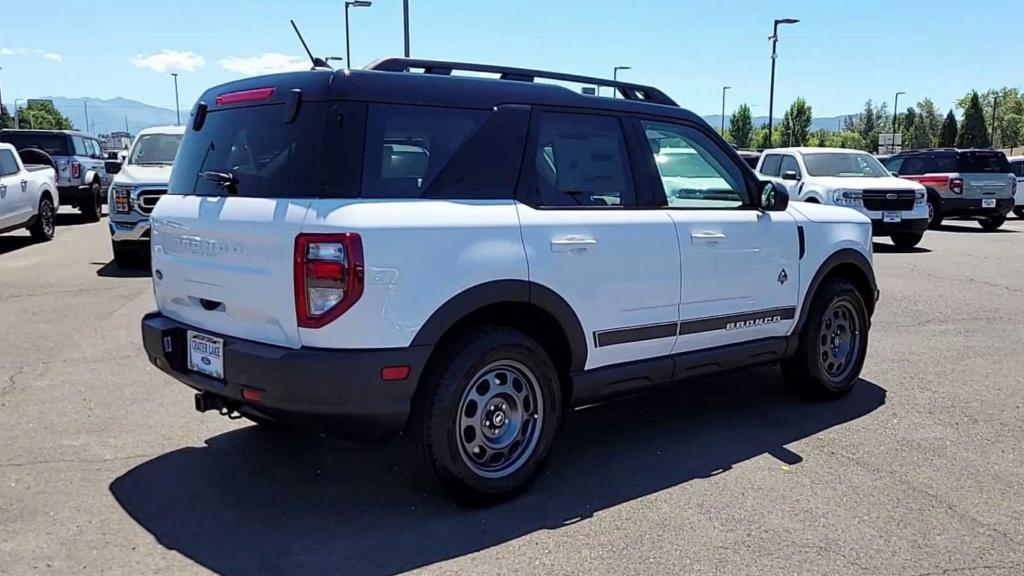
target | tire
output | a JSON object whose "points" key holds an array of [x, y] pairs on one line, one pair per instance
{"points": [[907, 240], [488, 415], [1019, 211], [46, 221], [992, 223], [833, 343], [125, 256], [934, 213], [93, 211]]}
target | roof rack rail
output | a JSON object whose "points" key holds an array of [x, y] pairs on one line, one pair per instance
{"points": [[628, 90]]}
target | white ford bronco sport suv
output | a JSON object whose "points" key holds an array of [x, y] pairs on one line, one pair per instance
{"points": [[855, 179], [465, 259]]}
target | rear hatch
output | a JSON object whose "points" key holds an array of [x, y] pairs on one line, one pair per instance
{"points": [[986, 174], [223, 236]]}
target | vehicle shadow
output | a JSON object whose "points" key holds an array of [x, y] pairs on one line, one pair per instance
{"points": [[74, 219], [975, 229], [11, 243], [113, 270], [252, 501], [881, 248]]}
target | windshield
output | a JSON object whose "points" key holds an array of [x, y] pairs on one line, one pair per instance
{"points": [[844, 165], [684, 165], [52, 144], [155, 149]]}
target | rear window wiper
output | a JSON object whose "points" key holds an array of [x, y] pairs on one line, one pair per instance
{"points": [[225, 180]]}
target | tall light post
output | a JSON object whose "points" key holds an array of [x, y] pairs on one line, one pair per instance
{"points": [[895, 113], [1, 94], [615, 76], [352, 4], [724, 88], [405, 14], [771, 94], [177, 106]]}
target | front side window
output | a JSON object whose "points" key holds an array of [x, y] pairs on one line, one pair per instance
{"points": [[692, 174], [844, 165], [8, 165], [155, 149], [581, 160], [771, 165], [894, 165], [789, 164]]}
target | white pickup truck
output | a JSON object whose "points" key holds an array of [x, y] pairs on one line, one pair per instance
{"points": [[897, 207], [28, 193]]}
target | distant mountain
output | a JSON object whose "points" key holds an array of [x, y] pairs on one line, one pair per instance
{"points": [[833, 123], [106, 116]]}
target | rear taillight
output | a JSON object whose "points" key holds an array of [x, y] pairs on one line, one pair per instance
{"points": [[328, 276], [956, 185], [76, 169]]}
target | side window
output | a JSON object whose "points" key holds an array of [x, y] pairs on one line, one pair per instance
{"points": [[8, 165], [694, 173], [943, 164], [771, 165], [1018, 168], [914, 165], [581, 160], [79, 145], [789, 164], [408, 146], [893, 165], [94, 149]]}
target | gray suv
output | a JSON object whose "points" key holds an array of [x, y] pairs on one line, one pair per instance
{"points": [[81, 177]]}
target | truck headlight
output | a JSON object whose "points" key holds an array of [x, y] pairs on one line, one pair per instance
{"points": [[841, 197], [122, 198], [919, 198]]}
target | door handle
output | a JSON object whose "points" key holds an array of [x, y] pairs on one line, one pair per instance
{"points": [[24, 185], [707, 236], [572, 244]]}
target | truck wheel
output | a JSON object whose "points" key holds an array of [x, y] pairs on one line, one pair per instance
{"points": [[42, 229], [833, 343], [1019, 211], [934, 214], [488, 415], [93, 210], [992, 223], [907, 240]]}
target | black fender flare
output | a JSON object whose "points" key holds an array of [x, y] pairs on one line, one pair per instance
{"points": [[839, 258], [502, 291]]}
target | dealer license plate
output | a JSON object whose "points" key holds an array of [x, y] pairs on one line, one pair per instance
{"points": [[988, 203], [891, 217], [206, 354]]}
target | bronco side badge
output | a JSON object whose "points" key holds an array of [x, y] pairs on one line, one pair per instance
{"points": [[783, 276]]}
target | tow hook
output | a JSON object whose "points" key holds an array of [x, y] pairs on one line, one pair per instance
{"points": [[206, 402]]}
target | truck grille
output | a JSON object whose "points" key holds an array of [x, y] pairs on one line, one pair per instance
{"points": [[889, 200], [147, 199]]}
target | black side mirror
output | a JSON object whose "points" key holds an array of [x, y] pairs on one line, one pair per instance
{"points": [[112, 166], [790, 175], [774, 197]]}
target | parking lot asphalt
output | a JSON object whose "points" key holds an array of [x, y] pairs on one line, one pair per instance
{"points": [[105, 468]]}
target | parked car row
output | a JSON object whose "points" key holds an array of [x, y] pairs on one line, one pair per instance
{"points": [[29, 196]]}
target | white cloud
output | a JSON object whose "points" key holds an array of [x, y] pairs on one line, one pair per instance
{"points": [[267, 63], [170, 60], [7, 52], [53, 56]]}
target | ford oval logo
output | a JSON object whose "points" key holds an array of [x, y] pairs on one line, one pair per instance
{"points": [[205, 360], [890, 196]]}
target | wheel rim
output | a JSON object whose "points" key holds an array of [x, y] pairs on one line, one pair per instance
{"points": [[839, 340], [97, 201], [46, 216], [931, 213], [500, 418]]}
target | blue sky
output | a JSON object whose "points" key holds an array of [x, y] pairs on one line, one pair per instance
{"points": [[841, 54]]}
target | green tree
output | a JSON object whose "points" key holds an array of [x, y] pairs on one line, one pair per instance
{"points": [[1010, 105], [973, 132], [760, 138], [1013, 132], [906, 124], [869, 124], [42, 115], [950, 129], [741, 126], [917, 135], [796, 124], [6, 121], [928, 113]]}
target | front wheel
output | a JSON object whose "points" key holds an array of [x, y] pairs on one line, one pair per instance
{"points": [[489, 415], [92, 207], [907, 240], [992, 223], [934, 214], [42, 229], [833, 342]]}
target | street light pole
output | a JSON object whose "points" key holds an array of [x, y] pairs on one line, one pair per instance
{"points": [[771, 94], [615, 76], [724, 88], [895, 113], [352, 4], [177, 106], [405, 13]]}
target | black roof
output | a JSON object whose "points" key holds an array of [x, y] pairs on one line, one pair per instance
{"points": [[391, 82], [923, 151]]}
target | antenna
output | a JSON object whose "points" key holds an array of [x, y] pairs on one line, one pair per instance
{"points": [[317, 62]]}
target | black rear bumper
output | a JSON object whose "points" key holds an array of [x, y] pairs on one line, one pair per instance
{"points": [[972, 207], [915, 226], [339, 390]]}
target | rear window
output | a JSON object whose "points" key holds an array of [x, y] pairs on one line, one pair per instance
{"points": [[266, 156], [982, 162], [52, 144]]}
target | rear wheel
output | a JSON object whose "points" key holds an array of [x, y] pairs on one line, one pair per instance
{"points": [[92, 207], [1019, 211], [43, 228], [489, 415], [907, 240], [992, 223], [833, 342]]}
